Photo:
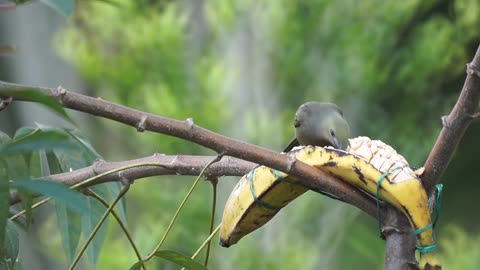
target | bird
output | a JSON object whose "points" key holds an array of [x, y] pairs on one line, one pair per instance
{"points": [[320, 124]]}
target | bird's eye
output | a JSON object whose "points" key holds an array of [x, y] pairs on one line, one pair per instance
{"points": [[332, 133], [296, 123]]}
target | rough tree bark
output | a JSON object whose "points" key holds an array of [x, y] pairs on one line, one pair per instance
{"points": [[308, 175], [454, 126]]}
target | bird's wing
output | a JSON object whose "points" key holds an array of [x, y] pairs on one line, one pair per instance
{"points": [[291, 145]]}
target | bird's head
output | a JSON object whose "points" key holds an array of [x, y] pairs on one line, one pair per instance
{"points": [[336, 131], [321, 124]]}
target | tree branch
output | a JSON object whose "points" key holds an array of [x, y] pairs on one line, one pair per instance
{"points": [[307, 175], [454, 126], [175, 165], [400, 241]]}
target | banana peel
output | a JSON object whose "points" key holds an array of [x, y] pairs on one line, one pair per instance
{"points": [[263, 192]]}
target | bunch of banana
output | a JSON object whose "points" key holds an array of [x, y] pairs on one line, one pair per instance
{"points": [[261, 193]]}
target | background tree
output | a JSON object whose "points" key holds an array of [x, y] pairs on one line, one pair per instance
{"points": [[241, 68]]}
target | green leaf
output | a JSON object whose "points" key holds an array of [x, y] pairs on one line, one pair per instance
{"points": [[62, 159], [90, 154], [70, 225], [4, 199], [64, 7], [38, 97], [72, 199], [34, 165], [54, 166], [136, 266], [69, 222], [88, 224], [79, 159], [38, 139], [4, 138], [180, 259], [9, 254], [88, 149], [18, 169], [23, 131]]}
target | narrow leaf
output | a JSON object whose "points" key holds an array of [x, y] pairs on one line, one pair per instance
{"points": [[72, 199], [136, 266], [54, 166], [88, 224], [180, 259], [17, 168], [4, 200], [36, 140], [90, 154], [17, 171], [88, 149], [79, 159], [38, 97], [70, 225], [23, 131], [69, 221], [4, 191], [10, 248]]}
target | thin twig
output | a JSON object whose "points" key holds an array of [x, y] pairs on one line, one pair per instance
{"points": [[136, 165], [180, 207], [39, 203], [122, 192], [92, 193], [202, 246], [214, 182], [206, 242]]}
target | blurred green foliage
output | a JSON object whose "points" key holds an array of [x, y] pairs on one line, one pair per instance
{"points": [[460, 249], [242, 68]]}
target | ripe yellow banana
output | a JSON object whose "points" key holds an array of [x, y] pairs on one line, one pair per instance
{"points": [[261, 193]]}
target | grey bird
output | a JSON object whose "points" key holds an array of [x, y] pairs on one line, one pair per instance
{"points": [[320, 124]]}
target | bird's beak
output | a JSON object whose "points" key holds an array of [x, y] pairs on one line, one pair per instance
{"points": [[339, 145]]}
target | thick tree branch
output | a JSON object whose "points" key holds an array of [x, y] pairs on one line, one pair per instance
{"points": [[400, 244], [308, 175], [454, 126]]}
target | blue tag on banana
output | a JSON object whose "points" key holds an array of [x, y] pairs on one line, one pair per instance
{"points": [[261, 193]]}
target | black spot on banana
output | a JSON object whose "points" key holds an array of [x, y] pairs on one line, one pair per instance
{"points": [[260, 194]]}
